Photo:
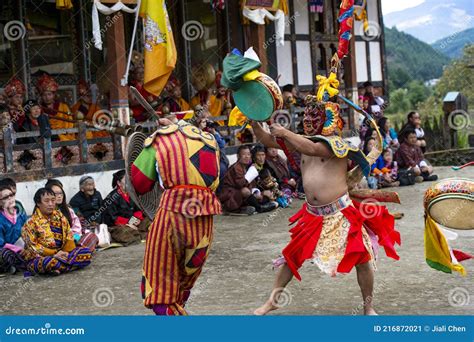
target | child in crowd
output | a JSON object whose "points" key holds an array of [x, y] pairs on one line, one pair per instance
{"points": [[388, 175], [267, 182], [372, 179]]}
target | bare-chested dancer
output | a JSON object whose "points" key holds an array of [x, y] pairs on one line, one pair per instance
{"points": [[333, 231]]}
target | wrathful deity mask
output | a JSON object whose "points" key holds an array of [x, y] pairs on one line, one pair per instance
{"points": [[322, 118]]}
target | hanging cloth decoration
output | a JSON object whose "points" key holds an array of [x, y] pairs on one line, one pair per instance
{"points": [[345, 26], [96, 30], [99, 7], [218, 5], [160, 49], [259, 15], [360, 14], [63, 4], [316, 6]]}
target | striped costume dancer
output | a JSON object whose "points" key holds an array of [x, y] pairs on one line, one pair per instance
{"points": [[185, 160], [44, 238]]}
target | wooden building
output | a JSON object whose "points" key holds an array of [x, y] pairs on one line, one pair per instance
{"points": [[60, 43]]}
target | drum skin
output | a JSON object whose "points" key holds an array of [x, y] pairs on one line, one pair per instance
{"points": [[450, 203], [258, 99]]}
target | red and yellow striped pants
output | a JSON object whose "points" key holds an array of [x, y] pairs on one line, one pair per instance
{"points": [[177, 247]]}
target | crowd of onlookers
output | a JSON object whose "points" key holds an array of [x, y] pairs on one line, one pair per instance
{"points": [[402, 161], [60, 236]]}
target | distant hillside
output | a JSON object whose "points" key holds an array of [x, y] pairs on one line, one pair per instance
{"points": [[411, 59], [433, 19], [453, 45]]}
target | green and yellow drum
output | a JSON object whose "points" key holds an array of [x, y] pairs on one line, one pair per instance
{"points": [[259, 98]]}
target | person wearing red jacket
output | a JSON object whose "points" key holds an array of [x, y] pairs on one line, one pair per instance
{"points": [[122, 215]]}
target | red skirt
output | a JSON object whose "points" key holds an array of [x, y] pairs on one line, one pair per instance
{"points": [[356, 219]]}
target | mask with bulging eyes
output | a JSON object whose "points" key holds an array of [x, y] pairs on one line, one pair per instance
{"points": [[313, 119]]}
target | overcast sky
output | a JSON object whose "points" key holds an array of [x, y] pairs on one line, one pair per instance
{"points": [[398, 5]]}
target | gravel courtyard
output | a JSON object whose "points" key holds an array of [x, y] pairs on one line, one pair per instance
{"points": [[238, 275]]}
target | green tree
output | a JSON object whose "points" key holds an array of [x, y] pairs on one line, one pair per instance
{"points": [[417, 93]]}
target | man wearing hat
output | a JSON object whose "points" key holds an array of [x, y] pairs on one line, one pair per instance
{"points": [[87, 203], [15, 92], [87, 110], [333, 231], [56, 110], [35, 120], [174, 100], [203, 78], [137, 74]]}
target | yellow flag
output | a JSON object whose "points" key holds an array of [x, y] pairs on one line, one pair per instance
{"points": [[63, 4], [437, 250], [160, 50]]}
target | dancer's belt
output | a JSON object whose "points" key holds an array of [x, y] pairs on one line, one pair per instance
{"points": [[329, 209]]}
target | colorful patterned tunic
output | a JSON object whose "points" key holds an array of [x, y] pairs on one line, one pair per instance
{"points": [[44, 237], [185, 160]]}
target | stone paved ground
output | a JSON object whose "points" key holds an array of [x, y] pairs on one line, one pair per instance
{"points": [[238, 276]]}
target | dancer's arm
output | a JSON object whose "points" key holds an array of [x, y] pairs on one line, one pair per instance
{"points": [[300, 143]]}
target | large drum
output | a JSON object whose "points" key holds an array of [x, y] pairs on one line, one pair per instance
{"points": [[450, 203], [259, 99]]}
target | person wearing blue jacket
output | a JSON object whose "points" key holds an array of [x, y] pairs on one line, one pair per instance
{"points": [[12, 219]]}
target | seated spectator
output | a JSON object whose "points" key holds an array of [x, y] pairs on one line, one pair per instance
{"points": [[388, 174], [269, 187], [12, 185], [390, 137], [258, 157], [236, 195], [87, 203], [12, 219], [279, 169], [4, 116], [211, 127], [410, 157], [82, 237], [49, 243], [414, 123], [35, 120], [126, 222], [372, 180]]}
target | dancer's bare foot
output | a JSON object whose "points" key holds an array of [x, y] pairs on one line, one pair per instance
{"points": [[265, 308], [369, 311]]}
